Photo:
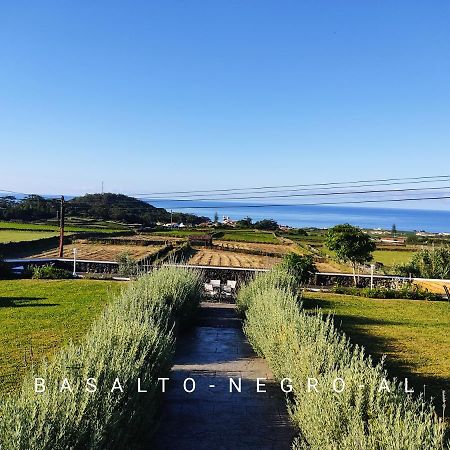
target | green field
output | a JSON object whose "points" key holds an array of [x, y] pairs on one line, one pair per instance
{"points": [[391, 257], [39, 316], [250, 236], [18, 236], [414, 335], [181, 233], [108, 228]]}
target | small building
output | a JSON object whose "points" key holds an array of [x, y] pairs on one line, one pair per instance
{"points": [[204, 240]]}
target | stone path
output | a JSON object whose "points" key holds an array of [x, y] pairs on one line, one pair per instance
{"points": [[211, 417]]}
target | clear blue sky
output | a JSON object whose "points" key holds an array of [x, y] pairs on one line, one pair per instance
{"points": [[169, 95]]}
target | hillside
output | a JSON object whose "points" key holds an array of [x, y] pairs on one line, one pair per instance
{"points": [[117, 207], [122, 208]]}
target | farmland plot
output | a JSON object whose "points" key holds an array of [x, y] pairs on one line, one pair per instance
{"points": [[101, 252], [208, 257], [267, 248]]}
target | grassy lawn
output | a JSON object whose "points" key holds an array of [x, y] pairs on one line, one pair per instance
{"points": [[391, 257], [414, 335], [17, 235], [250, 236], [39, 316]]}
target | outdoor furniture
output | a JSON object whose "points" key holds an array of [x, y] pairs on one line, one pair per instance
{"points": [[231, 284], [209, 289], [215, 283]]}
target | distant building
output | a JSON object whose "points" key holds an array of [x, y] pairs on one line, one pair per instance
{"points": [[227, 221]]}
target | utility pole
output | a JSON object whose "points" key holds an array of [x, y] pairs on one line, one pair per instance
{"points": [[102, 187], [171, 218], [61, 227]]}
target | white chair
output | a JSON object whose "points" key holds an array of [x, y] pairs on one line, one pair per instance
{"points": [[215, 283], [209, 289], [231, 284]]}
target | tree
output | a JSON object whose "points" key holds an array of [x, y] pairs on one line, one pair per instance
{"points": [[351, 245], [394, 230], [216, 217], [267, 224], [246, 222], [300, 266]]}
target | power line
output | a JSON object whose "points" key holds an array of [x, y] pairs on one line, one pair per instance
{"points": [[294, 185], [373, 191], [225, 195], [345, 202]]}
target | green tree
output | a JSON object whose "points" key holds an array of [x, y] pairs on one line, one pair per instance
{"points": [[351, 245], [216, 217], [267, 224], [301, 266], [394, 230], [246, 222]]}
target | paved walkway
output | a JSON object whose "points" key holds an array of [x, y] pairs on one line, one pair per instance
{"points": [[211, 417]]}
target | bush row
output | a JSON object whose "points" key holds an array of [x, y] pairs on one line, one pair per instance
{"points": [[133, 338], [298, 345], [408, 291]]}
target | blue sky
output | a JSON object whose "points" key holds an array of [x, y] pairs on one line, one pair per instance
{"points": [[181, 95]]}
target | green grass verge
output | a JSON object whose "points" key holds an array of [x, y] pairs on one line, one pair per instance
{"points": [[250, 236], [18, 236], [48, 227], [391, 257], [413, 334], [40, 316]]}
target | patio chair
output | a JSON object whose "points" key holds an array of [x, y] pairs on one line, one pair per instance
{"points": [[231, 284], [209, 289], [215, 283]]}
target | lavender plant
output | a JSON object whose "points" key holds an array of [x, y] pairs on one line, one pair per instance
{"points": [[300, 345], [132, 339]]}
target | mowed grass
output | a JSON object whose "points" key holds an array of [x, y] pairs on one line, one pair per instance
{"points": [[250, 236], [18, 236], [414, 335], [39, 316], [391, 257]]}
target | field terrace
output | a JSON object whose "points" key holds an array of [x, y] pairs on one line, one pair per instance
{"points": [[101, 252]]}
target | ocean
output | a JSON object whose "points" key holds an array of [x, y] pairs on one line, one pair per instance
{"points": [[321, 216]]}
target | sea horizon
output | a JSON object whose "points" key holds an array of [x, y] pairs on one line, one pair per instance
{"points": [[320, 216]]}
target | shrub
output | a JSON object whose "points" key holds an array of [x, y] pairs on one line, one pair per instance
{"points": [[407, 291], [127, 265], [49, 272], [298, 345], [302, 267], [428, 263], [133, 338]]}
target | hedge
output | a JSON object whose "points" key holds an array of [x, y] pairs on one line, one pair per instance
{"points": [[133, 338], [300, 345]]}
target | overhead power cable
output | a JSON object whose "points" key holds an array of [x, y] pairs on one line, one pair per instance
{"points": [[435, 177], [255, 197], [267, 205]]}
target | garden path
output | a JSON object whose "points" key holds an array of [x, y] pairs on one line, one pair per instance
{"points": [[211, 417]]}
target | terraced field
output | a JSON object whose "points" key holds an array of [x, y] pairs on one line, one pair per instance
{"points": [[281, 249], [18, 235], [208, 257], [101, 252]]}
